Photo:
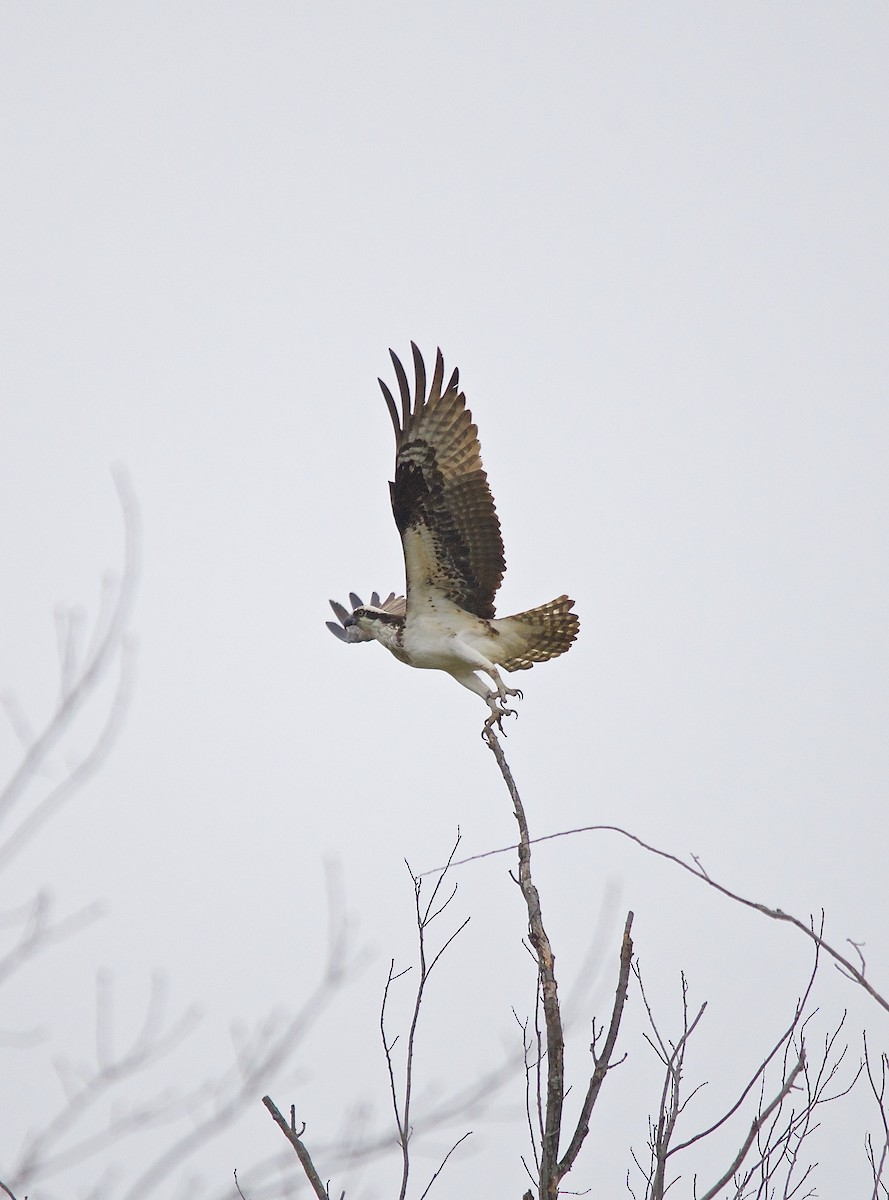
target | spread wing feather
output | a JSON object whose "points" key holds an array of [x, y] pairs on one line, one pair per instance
{"points": [[441, 501]]}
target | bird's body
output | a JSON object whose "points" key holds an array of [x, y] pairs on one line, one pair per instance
{"points": [[453, 554]]}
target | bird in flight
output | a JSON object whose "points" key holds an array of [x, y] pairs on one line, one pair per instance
{"points": [[453, 555]]}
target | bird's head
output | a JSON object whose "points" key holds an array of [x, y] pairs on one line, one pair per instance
{"points": [[367, 622]]}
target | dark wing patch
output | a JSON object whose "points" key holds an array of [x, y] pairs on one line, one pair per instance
{"points": [[441, 501]]}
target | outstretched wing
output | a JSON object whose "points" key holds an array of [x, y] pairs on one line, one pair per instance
{"points": [[441, 501]]}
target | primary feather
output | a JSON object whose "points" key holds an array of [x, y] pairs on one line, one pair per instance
{"points": [[441, 501]]}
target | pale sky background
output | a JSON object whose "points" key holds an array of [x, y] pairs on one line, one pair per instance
{"points": [[654, 239]]}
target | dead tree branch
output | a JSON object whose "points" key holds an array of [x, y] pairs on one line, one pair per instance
{"points": [[602, 1061], [78, 681], [85, 1086], [552, 1168], [400, 1089], [781, 1043], [758, 1123], [878, 1155], [295, 1139], [266, 1052], [768, 1160], [39, 931], [672, 1102], [401, 1098], [842, 962], [540, 943]]}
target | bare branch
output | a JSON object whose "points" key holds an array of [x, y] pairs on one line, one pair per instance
{"points": [[782, 1041], [401, 1095], [77, 686], [272, 1045], [671, 1104], [555, 1040], [85, 1087], [401, 1102], [602, 1061], [289, 1131], [39, 932], [441, 1166], [879, 1091], [695, 869], [75, 779], [758, 1122], [526, 1047]]}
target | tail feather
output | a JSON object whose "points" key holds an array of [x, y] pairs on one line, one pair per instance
{"points": [[536, 635]]}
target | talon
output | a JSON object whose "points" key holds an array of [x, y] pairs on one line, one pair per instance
{"points": [[498, 712]]}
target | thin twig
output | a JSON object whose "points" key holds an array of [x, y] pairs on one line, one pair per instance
{"points": [[755, 1127], [86, 1088], [402, 1099], [273, 1044], [844, 964], [526, 1046], [289, 1131], [783, 1040], [602, 1061], [879, 1094], [441, 1165], [74, 691]]}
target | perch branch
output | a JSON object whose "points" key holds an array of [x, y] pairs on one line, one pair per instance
{"points": [[540, 943]]}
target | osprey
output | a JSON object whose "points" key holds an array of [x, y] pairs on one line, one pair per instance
{"points": [[453, 555]]}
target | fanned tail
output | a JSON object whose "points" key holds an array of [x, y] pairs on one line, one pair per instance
{"points": [[536, 635]]}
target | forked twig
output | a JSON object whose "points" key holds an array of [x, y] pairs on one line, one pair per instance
{"points": [[295, 1139], [757, 1124], [879, 1090], [401, 1099], [76, 687], [602, 1061]]}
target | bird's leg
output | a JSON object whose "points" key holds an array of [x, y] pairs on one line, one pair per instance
{"points": [[502, 690], [494, 697]]}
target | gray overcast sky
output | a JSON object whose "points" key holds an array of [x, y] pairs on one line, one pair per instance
{"points": [[654, 239]]}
